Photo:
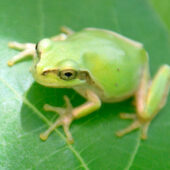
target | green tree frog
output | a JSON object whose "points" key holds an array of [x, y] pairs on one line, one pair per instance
{"points": [[102, 66]]}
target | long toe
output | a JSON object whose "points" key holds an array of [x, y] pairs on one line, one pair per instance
{"points": [[136, 124]]}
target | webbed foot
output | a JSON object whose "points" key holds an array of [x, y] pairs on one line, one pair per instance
{"points": [[150, 98], [65, 119], [135, 125], [27, 49]]}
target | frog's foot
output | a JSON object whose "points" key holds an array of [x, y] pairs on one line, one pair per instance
{"points": [[150, 98], [65, 119], [28, 49], [135, 125], [59, 37], [66, 31]]}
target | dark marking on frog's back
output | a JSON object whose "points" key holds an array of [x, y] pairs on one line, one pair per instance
{"points": [[116, 85], [118, 69]]}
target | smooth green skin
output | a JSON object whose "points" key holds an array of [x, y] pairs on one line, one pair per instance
{"points": [[113, 62], [107, 67]]}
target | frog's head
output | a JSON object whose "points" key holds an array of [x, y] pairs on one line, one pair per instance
{"points": [[52, 68]]}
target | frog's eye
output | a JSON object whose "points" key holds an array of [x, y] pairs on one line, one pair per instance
{"points": [[43, 46], [68, 74]]}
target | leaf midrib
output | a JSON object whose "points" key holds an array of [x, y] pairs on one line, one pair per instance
{"points": [[35, 110]]}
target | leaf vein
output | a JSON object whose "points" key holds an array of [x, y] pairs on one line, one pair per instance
{"points": [[48, 156], [134, 153], [27, 102]]}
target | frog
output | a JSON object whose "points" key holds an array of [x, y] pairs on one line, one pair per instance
{"points": [[103, 67]]}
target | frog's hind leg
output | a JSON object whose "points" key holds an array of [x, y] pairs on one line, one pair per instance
{"points": [[28, 49], [150, 98]]}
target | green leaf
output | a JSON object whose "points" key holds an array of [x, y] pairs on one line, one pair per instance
{"points": [[163, 9], [22, 118]]}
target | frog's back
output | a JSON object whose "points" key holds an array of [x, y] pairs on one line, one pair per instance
{"points": [[91, 38], [114, 62]]}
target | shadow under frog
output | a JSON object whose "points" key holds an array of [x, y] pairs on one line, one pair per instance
{"points": [[38, 95]]}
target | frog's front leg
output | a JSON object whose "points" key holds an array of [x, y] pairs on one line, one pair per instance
{"points": [[150, 98], [66, 31], [28, 49], [68, 114]]}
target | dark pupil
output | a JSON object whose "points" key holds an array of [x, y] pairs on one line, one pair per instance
{"points": [[68, 74]]}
